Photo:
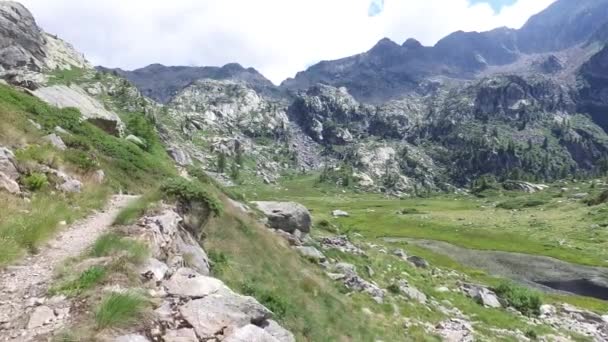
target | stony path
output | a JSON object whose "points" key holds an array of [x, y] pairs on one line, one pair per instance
{"points": [[25, 312]]}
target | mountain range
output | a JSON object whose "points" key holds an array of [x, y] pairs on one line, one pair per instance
{"points": [[510, 104]]}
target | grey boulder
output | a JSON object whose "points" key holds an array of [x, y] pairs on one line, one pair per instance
{"points": [[55, 141], [188, 283], [217, 313], [310, 253], [278, 332], [250, 333], [181, 335], [286, 216]]}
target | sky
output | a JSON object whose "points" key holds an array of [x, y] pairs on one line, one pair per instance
{"points": [[277, 37]]}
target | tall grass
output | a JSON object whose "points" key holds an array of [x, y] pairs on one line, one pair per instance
{"points": [[120, 309], [111, 244], [86, 280]]}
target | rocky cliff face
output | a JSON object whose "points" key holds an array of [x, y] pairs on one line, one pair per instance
{"points": [[593, 79], [23, 45]]}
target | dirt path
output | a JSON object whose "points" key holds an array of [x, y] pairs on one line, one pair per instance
{"points": [[25, 312]]}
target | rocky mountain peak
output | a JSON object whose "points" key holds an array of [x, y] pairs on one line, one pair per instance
{"points": [[22, 42], [384, 44], [412, 44]]}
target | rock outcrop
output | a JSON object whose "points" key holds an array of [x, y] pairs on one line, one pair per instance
{"points": [[92, 110], [228, 105], [209, 309], [25, 47]]}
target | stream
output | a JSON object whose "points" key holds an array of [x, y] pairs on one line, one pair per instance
{"points": [[544, 273]]}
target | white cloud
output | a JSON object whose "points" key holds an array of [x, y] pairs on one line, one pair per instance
{"points": [[277, 37]]}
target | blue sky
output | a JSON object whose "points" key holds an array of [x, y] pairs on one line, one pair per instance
{"points": [[496, 4]]}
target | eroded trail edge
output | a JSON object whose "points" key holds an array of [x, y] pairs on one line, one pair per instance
{"points": [[25, 312]]}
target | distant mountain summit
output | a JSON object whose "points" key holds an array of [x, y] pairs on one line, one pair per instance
{"points": [[162, 83]]}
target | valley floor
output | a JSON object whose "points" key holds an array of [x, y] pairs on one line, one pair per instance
{"points": [[553, 224]]}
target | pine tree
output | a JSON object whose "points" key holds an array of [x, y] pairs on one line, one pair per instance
{"points": [[221, 162]]}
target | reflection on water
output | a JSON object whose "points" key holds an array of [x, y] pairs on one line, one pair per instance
{"points": [[581, 287]]}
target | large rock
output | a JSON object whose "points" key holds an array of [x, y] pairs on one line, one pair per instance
{"points": [[55, 141], [223, 313], [482, 295], [154, 269], [9, 185], [7, 163], [181, 335], [286, 216], [193, 254], [188, 283], [411, 292], [455, 330], [70, 186], [180, 156], [91, 110], [250, 333], [310, 253], [131, 338], [278, 332]]}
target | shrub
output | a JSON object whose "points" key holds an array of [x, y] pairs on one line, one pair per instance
{"points": [[526, 301], [393, 288], [520, 203], [185, 190], [81, 160], [119, 309], [136, 209], [531, 334], [35, 181]]}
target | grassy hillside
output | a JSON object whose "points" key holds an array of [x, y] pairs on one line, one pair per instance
{"points": [[27, 222]]}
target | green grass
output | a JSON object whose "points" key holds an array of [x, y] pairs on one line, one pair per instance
{"points": [[112, 244], [246, 256], [464, 221], [66, 76], [85, 281], [120, 309]]}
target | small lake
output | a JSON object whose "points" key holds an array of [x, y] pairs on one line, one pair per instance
{"points": [[581, 287], [544, 273]]}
